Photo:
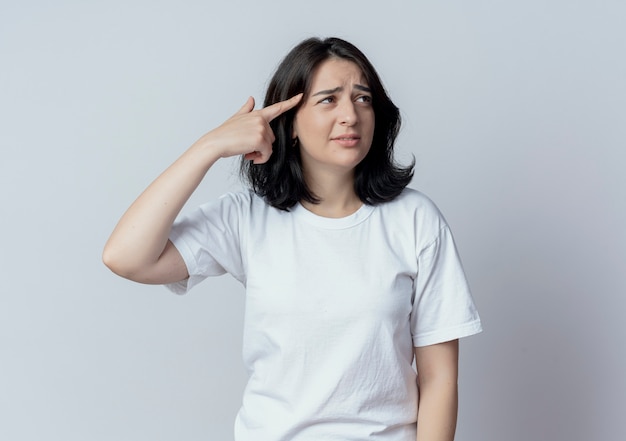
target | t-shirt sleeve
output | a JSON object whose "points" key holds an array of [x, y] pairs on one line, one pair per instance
{"points": [[443, 308], [209, 241]]}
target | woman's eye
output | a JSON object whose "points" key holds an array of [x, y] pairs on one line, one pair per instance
{"points": [[364, 99], [328, 100]]}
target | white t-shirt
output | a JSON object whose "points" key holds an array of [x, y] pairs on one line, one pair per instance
{"points": [[334, 308]]}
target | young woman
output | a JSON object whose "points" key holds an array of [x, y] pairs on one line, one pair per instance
{"points": [[349, 275]]}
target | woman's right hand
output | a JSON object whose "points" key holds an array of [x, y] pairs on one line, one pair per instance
{"points": [[247, 132]]}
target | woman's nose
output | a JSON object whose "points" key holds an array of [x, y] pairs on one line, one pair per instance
{"points": [[347, 114]]}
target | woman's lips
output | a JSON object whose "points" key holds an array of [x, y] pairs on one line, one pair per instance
{"points": [[347, 140]]}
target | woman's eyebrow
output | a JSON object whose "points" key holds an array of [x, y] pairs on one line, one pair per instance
{"points": [[328, 91], [339, 89]]}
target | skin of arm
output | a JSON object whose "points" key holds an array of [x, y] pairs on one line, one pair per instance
{"points": [[437, 367], [139, 248]]}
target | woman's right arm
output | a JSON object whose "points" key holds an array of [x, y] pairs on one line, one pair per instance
{"points": [[139, 248]]}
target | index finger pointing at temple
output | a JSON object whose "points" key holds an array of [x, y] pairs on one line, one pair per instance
{"points": [[277, 109]]}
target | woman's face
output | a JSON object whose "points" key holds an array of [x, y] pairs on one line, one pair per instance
{"points": [[335, 123]]}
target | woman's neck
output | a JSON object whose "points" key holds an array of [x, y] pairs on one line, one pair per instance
{"points": [[336, 195]]}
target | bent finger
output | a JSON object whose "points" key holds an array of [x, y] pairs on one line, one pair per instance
{"points": [[258, 157]]}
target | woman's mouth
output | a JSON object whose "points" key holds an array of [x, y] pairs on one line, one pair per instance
{"points": [[347, 140]]}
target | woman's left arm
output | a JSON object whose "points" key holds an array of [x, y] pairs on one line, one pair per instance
{"points": [[437, 367]]}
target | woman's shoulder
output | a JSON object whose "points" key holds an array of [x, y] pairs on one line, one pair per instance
{"points": [[247, 203], [232, 203], [242, 197], [415, 210], [414, 201]]}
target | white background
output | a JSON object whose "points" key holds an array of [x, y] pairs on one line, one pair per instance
{"points": [[515, 112]]}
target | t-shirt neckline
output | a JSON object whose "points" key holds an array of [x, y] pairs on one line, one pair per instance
{"points": [[333, 223]]}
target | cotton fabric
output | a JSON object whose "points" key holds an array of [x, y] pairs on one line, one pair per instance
{"points": [[334, 308]]}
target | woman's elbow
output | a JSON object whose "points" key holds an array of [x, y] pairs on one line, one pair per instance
{"points": [[115, 261]]}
